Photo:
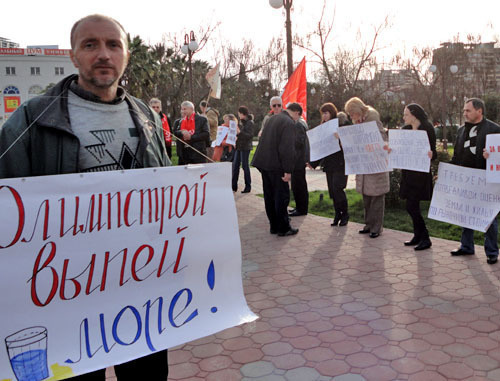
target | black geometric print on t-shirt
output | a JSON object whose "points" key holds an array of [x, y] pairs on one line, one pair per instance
{"points": [[126, 160], [96, 150], [104, 136]]}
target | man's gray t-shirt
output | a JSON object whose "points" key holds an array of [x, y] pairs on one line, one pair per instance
{"points": [[108, 136]]}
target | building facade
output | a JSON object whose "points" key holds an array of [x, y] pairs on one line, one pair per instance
{"points": [[26, 73]]}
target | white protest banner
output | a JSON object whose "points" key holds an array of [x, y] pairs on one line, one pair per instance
{"points": [[462, 197], [409, 150], [231, 135], [98, 269], [221, 134], [363, 149], [322, 139], [493, 161]]}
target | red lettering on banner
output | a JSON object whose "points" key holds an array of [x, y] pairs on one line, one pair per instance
{"points": [[492, 148], [134, 261], [36, 270], [76, 284], [186, 202], [126, 209], [20, 213]]}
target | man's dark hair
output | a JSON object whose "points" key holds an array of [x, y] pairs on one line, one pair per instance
{"points": [[295, 107], [95, 18], [203, 104], [477, 104], [243, 110]]}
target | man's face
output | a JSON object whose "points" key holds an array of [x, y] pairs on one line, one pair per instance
{"points": [[186, 111], [156, 106], [294, 114], [471, 115], [276, 107], [99, 53]]}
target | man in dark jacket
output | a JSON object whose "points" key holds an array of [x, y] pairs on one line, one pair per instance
{"points": [[275, 159], [299, 183], [193, 136], [471, 140], [87, 123]]}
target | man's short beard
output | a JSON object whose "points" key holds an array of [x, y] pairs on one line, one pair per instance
{"points": [[103, 85]]}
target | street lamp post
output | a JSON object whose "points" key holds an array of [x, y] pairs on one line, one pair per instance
{"points": [[190, 46], [287, 4], [453, 69]]}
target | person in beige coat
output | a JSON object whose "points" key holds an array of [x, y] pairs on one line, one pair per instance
{"points": [[373, 187]]}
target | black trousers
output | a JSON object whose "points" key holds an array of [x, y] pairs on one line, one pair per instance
{"points": [[419, 228], [153, 367], [241, 158], [276, 199], [300, 192], [336, 185]]}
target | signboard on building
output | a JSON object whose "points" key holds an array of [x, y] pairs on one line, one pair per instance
{"points": [[11, 103], [33, 52]]}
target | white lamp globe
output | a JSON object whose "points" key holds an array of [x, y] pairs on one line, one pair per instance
{"points": [[193, 45], [185, 49], [453, 69], [433, 68], [276, 4]]}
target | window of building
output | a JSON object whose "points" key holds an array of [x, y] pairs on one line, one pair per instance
{"points": [[10, 90], [59, 71], [35, 70], [10, 70]]}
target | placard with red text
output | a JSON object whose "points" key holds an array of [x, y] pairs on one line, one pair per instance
{"points": [[98, 269]]}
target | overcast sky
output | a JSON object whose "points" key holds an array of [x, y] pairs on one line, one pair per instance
{"points": [[420, 23]]}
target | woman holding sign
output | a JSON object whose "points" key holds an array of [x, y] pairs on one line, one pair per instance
{"points": [[334, 167], [224, 151], [374, 186], [417, 186]]}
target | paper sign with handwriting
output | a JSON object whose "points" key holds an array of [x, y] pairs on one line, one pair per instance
{"points": [[102, 268], [363, 149], [493, 161], [409, 150], [322, 139], [462, 197]]}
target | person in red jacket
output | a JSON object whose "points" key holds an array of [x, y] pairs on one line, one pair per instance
{"points": [[155, 104]]}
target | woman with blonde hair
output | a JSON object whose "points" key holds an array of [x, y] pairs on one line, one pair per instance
{"points": [[373, 187]]}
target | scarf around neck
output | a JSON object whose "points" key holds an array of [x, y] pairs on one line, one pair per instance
{"points": [[188, 124]]}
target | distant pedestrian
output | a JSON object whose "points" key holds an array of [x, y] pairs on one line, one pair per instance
{"points": [[243, 148], [212, 116]]}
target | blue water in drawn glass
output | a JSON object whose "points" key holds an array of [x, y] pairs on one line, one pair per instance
{"points": [[30, 365]]}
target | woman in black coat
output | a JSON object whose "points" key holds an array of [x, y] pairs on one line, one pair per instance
{"points": [[334, 167], [243, 147], [417, 186]]}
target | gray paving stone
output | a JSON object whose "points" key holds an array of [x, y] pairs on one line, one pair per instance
{"points": [[302, 374], [257, 369]]}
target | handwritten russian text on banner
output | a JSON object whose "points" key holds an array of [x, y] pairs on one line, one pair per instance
{"points": [[363, 149], [322, 139], [106, 267], [221, 134], [409, 150], [462, 197], [231, 135], [493, 161]]}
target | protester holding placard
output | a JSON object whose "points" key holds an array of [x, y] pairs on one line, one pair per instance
{"points": [[374, 186], [224, 150], [417, 186], [88, 123], [334, 167], [469, 146], [243, 147]]}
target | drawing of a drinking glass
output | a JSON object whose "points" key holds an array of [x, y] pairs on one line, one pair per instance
{"points": [[27, 350]]}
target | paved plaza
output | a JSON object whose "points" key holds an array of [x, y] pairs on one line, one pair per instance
{"points": [[337, 305]]}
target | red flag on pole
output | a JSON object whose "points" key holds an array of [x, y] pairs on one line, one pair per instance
{"points": [[296, 88]]}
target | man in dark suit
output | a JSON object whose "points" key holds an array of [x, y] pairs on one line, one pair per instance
{"points": [[275, 159], [193, 130], [469, 146]]}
